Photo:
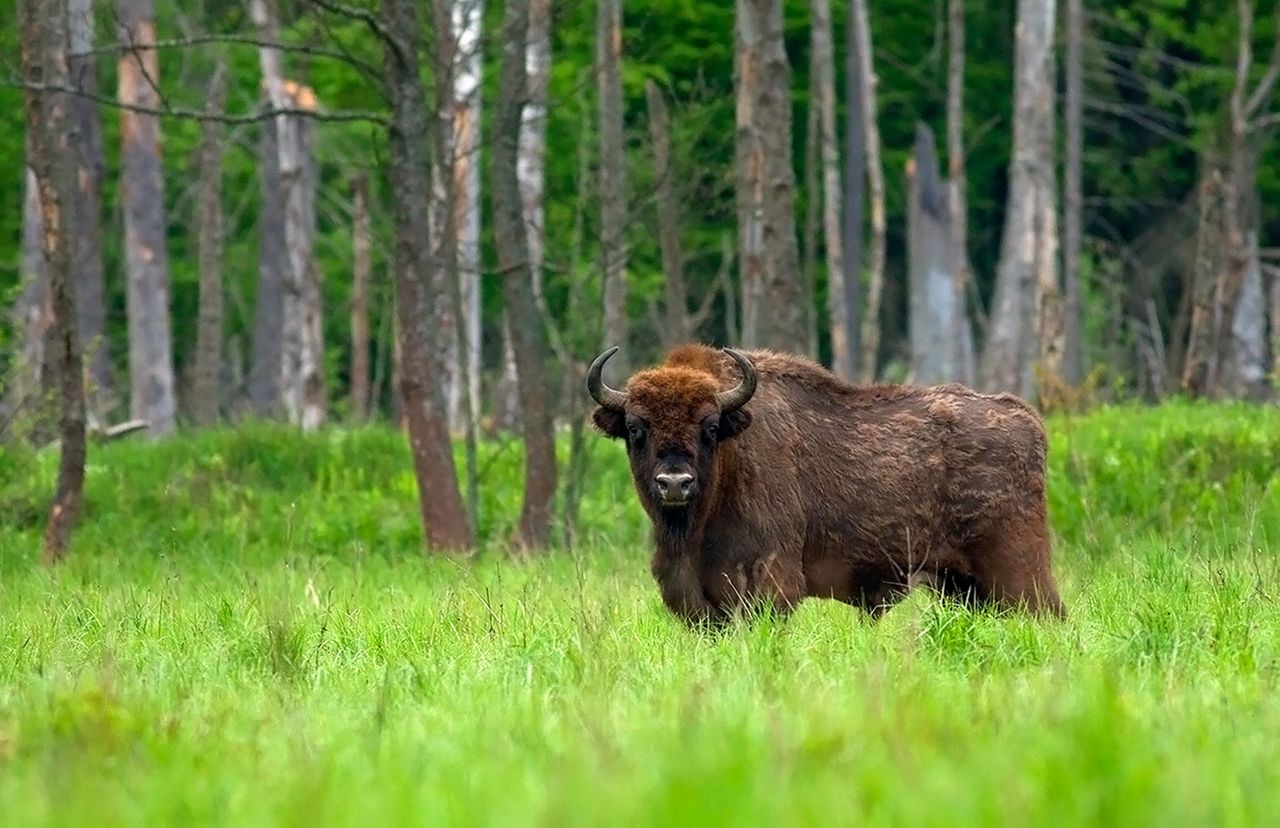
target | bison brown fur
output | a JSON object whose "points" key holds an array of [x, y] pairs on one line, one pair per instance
{"points": [[814, 487]]}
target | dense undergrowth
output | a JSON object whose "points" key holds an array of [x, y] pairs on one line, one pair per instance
{"points": [[248, 632]]}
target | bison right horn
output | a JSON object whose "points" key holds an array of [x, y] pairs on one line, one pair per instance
{"points": [[608, 398], [736, 397]]}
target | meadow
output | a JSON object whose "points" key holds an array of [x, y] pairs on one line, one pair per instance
{"points": [[248, 633]]}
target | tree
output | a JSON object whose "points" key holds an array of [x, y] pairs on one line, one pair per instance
{"points": [[854, 186], [523, 318], [90, 284], [361, 270], [443, 517], [32, 315], [843, 321], [273, 261], [205, 393], [941, 339], [613, 178], [770, 260], [142, 195], [676, 329], [1021, 330], [958, 189], [866, 80], [1073, 210], [51, 131]]}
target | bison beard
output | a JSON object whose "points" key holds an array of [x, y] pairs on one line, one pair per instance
{"points": [[769, 480]]}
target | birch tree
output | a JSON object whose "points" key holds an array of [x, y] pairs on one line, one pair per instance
{"points": [[208, 368], [866, 80]]}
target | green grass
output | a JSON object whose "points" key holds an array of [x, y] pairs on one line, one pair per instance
{"points": [[247, 633]]}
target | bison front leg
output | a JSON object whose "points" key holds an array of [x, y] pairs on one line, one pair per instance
{"points": [[765, 584]]}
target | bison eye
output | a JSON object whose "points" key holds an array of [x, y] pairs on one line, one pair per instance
{"points": [[711, 431], [635, 432]]}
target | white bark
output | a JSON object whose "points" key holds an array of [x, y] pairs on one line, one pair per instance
{"points": [[875, 179], [1249, 327], [1028, 256]]}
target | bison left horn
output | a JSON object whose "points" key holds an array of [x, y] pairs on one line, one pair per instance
{"points": [[736, 397], [608, 398]]}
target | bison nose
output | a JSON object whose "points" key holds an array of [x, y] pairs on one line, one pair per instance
{"points": [[674, 486]]}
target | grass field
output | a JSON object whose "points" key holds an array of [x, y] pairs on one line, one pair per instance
{"points": [[248, 633]]}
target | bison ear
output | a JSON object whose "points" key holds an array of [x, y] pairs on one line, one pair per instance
{"points": [[612, 424], [734, 423]]}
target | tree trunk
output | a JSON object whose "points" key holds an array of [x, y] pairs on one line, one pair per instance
{"points": [[1248, 367], [90, 286], [958, 200], [770, 260], [1275, 328], [936, 341], [613, 181], [1073, 219], [204, 403], [467, 19], [870, 346], [854, 185], [273, 261], [300, 224], [142, 194], [842, 325], [812, 211], [361, 271], [443, 517], [53, 139], [676, 329], [517, 285], [32, 312], [1028, 255]]}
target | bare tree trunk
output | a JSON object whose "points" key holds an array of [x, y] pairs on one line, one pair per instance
{"points": [[870, 346], [273, 262], [33, 310], [854, 185], [613, 180], [513, 259], [53, 139], [812, 211], [677, 316], [936, 342], [467, 19], [1248, 372], [90, 286], [443, 517], [204, 403], [533, 140], [142, 194], [1073, 220], [362, 269], [958, 202], [769, 257], [1028, 265], [1275, 328], [842, 325]]}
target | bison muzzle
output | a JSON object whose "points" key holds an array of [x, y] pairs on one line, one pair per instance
{"points": [[768, 480]]}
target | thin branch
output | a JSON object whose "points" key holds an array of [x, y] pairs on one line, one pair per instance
{"points": [[340, 116], [370, 19], [343, 56], [1267, 121]]}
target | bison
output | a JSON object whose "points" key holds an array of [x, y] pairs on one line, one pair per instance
{"points": [[768, 479]]}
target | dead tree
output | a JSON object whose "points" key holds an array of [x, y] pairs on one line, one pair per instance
{"points": [[205, 393], [90, 284], [613, 179], [676, 330], [870, 334], [52, 136], [940, 333], [421, 373], [843, 325], [528, 338], [1021, 331], [361, 271], [273, 261], [32, 314], [768, 257], [142, 195]]}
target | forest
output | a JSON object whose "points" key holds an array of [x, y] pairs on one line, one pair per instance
{"points": [[303, 516]]}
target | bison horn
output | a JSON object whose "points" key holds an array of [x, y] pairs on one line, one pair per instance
{"points": [[735, 398], [609, 398]]}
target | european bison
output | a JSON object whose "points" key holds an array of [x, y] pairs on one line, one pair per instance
{"points": [[768, 479]]}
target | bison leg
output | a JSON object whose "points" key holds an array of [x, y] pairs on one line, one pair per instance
{"points": [[752, 587], [1011, 567]]}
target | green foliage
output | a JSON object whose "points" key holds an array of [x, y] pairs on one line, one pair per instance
{"points": [[247, 633]]}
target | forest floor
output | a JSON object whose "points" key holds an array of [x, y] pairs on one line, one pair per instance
{"points": [[247, 633]]}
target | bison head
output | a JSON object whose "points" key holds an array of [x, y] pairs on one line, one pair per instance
{"points": [[673, 418]]}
